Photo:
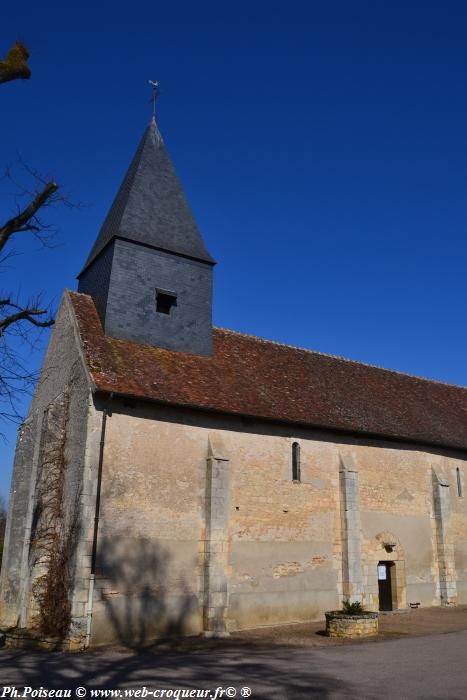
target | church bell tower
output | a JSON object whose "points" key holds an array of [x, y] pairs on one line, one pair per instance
{"points": [[149, 272]]}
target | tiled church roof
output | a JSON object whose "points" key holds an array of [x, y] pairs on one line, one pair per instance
{"points": [[253, 377]]}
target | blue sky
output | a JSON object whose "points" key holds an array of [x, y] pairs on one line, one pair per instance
{"points": [[322, 146]]}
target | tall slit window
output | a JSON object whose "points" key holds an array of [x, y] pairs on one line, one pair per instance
{"points": [[296, 461], [459, 482]]}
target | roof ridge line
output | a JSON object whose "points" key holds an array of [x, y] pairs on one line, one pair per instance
{"points": [[340, 357]]}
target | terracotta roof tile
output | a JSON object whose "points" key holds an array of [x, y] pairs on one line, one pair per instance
{"points": [[253, 377]]}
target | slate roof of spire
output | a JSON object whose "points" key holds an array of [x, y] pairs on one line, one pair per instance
{"points": [[249, 376], [151, 207]]}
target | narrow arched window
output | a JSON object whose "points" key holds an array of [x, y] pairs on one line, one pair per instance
{"points": [[459, 482], [296, 461]]}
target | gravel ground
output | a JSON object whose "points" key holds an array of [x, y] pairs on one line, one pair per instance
{"points": [[410, 623]]}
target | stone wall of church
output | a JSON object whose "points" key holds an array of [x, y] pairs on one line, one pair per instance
{"points": [[285, 534], [398, 488], [150, 528], [57, 422], [287, 550]]}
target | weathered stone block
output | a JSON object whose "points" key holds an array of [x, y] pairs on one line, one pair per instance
{"points": [[349, 626]]}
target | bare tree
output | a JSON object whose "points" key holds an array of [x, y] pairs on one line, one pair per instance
{"points": [[20, 320], [26, 220]]}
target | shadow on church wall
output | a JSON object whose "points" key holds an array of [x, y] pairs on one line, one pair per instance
{"points": [[141, 593], [137, 595], [257, 426]]}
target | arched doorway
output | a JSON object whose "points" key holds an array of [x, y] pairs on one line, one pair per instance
{"points": [[384, 574]]}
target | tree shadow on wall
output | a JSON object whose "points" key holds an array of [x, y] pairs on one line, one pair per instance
{"points": [[138, 594], [138, 598]]}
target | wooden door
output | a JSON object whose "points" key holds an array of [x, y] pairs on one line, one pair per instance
{"points": [[384, 585]]}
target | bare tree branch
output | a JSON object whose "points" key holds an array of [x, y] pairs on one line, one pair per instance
{"points": [[28, 315], [22, 322], [13, 312], [14, 66], [24, 220]]}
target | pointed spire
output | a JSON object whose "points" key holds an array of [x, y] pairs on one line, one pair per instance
{"points": [[150, 207]]}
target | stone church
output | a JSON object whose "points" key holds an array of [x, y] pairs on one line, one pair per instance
{"points": [[172, 476]]}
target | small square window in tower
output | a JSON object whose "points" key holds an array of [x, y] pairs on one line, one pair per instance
{"points": [[165, 301]]}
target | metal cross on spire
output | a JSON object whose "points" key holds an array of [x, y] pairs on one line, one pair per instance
{"points": [[155, 94]]}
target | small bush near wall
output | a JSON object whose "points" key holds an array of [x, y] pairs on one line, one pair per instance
{"points": [[352, 608]]}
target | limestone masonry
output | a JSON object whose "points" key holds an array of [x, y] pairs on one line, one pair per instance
{"points": [[187, 479]]}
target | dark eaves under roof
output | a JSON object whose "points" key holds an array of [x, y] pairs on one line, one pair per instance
{"points": [[150, 207], [249, 376]]}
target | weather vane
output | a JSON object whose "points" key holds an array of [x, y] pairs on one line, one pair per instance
{"points": [[155, 94]]}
